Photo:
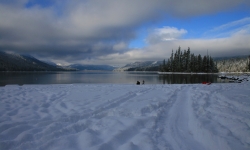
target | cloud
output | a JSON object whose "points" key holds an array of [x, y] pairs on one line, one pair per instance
{"points": [[235, 27], [165, 34], [236, 23], [221, 47], [235, 44], [94, 30], [184, 8]]}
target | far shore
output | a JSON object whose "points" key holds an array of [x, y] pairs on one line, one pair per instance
{"points": [[203, 73]]}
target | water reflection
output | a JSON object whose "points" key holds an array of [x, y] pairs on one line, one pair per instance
{"points": [[189, 78], [103, 77]]}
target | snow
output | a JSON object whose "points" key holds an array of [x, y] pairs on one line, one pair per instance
{"points": [[125, 117]]}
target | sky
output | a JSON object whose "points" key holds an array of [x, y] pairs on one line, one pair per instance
{"points": [[117, 32]]}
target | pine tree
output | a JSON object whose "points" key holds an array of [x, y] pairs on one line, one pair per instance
{"points": [[168, 66], [179, 59], [175, 62], [249, 63], [196, 65], [184, 61], [204, 64], [192, 64], [172, 61], [187, 62], [199, 62]]}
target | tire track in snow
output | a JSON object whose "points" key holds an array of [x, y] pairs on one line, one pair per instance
{"points": [[178, 131], [230, 125], [217, 124], [159, 129], [151, 124], [102, 110], [72, 124]]}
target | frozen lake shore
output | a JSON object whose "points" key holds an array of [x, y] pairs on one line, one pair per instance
{"points": [[125, 117]]}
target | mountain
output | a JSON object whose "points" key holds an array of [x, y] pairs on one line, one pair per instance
{"points": [[51, 63], [92, 67], [16, 62], [141, 66]]}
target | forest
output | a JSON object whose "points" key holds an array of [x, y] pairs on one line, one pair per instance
{"points": [[188, 62], [234, 64]]}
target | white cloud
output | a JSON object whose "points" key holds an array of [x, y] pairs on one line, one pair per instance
{"points": [[233, 45], [241, 26], [241, 22], [165, 34]]}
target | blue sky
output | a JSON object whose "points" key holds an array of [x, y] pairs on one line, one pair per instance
{"points": [[197, 27], [41, 3], [119, 32]]}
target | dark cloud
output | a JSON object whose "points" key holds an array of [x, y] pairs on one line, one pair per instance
{"points": [[82, 30]]}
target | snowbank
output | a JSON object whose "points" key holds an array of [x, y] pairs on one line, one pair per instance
{"points": [[125, 117]]}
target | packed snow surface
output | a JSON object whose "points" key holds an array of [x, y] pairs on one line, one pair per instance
{"points": [[125, 117]]}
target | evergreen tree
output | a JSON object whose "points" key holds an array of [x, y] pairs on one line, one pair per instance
{"points": [[172, 61], [204, 64], [192, 64], [175, 62], [168, 66], [199, 62], [184, 61], [249, 63], [187, 62], [179, 59], [187, 57], [164, 65], [196, 64]]}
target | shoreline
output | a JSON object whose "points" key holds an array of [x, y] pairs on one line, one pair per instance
{"points": [[161, 73]]}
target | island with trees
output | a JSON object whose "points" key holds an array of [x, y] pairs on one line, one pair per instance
{"points": [[188, 62]]}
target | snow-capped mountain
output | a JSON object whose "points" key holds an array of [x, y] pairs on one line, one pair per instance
{"points": [[92, 67], [141, 66]]}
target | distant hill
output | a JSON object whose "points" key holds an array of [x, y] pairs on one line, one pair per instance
{"points": [[141, 66], [16, 62], [92, 67]]}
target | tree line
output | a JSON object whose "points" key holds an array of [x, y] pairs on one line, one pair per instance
{"points": [[234, 64], [188, 62]]}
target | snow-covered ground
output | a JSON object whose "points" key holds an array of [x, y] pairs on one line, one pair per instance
{"points": [[125, 117]]}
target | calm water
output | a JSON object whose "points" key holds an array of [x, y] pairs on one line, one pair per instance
{"points": [[21, 78]]}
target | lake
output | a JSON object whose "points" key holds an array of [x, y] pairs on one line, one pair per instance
{"points": [[21, 78]]}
